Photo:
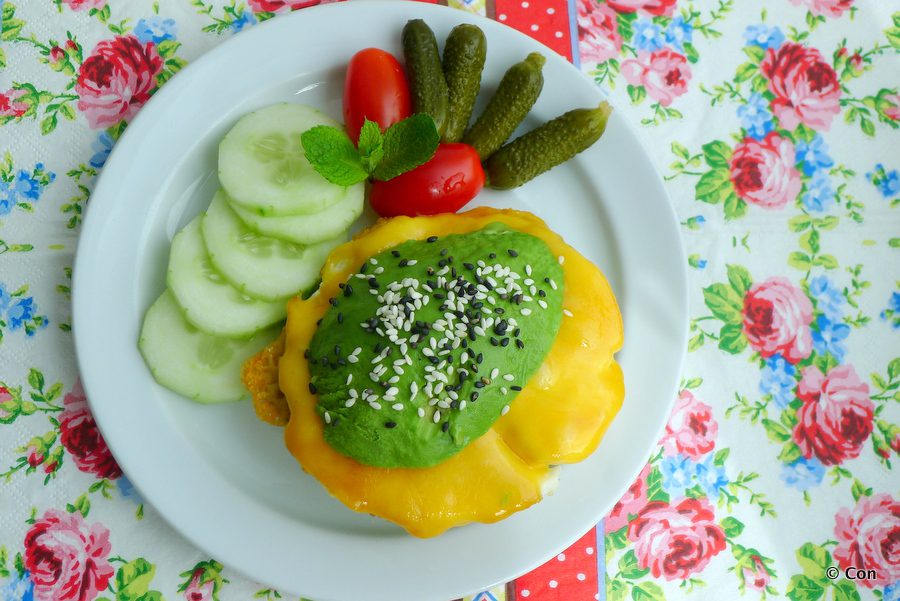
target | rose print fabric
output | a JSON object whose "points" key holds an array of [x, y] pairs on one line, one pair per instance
{"points": [[775, 127]]}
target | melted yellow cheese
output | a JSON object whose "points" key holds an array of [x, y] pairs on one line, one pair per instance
{"points": [[559, 416]]}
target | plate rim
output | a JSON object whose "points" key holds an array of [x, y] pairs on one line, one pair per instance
{"points": [[93, 222]]}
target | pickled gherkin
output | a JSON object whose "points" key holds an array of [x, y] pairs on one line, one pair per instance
{"points": [[549, 145], [426, 75], [464, 55], [518, 91]]}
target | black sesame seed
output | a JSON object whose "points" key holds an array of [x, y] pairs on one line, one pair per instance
{"points": [[450, 259], [546, 280], [494, 341], [373, 283], [453, 272], [337, 350], [348, 290], [492, 256], [324, 361], [340, 317], [377, 348], [364, 268], [312, 388], [404, 262], [520, 344], [434, 360], [334, 421], [341, 285], [479, 384], [332, 301], [512, 253], [516, 388], [454, 404], [395, 253], [342, 362], [319, 321], [442, 263], [444, 252], [431, 239], [390, 424], [542, 294], [469, 266], [474, 396], [516, 332], [445, 426], [504, 342], [306, 353], [480, 358]]}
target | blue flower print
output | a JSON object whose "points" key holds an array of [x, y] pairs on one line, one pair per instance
{"points": [[829, 299], [892, 592], [246, 18], [127, 489], [819, 195], [20, 311], [155, 29], [777, 378], [7, 198], [755, 116], [887, 182], [814, 155], [892, 313], [102, 146], [679, 33], [764, 36], [26, 186], [711, 477], [18, 588], [648, 36], [5, 299], [803, 473], [678, 474], [827, 337]]}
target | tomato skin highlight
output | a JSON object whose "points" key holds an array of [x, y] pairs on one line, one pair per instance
{"points": [[444, 184], [375, 88]]}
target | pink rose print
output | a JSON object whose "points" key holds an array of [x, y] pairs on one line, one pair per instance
{"points": [[9, 105], [650, 7], [275, 6], [806, 87], [869, 538], [892, 112], [7, 405], [829, 8], [197, 590], [67, 558], [116, 80], [598, 31], [81, 438], [836, 416], [34, 454], [763, 171], [691, 429], [675, 542], [756, 575], [84, 4], [631, 502], [776, 319], [664, 73]]}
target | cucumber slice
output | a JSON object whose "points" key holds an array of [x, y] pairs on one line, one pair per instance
{"points": [[209, 302], [199, 366], [309, 229], [263, 168], [257, 265]]}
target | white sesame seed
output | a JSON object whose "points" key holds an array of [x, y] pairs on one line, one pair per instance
{"points": [[349, 379], [492, 300], [373, 261], [394, 380], [568, 313], [437, 416], [464, 357], [543, 304], [494, 373], [353, 359], [462, 404], [561, 259], [412, 262], [349, 403], [509, 377], [398, 370], [327, 418], [528, 270], [374, 405], [525, 311], [392, 391], [397, 406], [503, 390], [388, 398], [421, 412], [353, 393], [553, 284], [505, 410], [379, 270], [443, 404], [357, 350]]}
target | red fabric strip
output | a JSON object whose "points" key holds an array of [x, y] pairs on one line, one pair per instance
{"points": [[547, 21], [570, 576]]}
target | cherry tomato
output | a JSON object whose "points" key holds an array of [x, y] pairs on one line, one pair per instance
{"points": [[375, 89], [444, 184]]}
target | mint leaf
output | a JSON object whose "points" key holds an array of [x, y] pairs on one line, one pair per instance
{"points": [[371, 145], [407, 144], [332, 155]]}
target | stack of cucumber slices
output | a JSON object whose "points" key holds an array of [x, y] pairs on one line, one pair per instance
{"points": [[263, 239]]}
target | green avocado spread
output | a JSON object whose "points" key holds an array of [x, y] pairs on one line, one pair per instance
{"points": [[430, 342]]}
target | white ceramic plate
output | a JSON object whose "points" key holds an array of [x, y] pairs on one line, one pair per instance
{"points": [[223, 478]]}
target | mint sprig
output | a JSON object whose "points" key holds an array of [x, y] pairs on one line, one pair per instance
{"points": [[403, 147]]}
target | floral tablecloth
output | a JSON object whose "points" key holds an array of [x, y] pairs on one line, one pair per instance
{"points": [[774, 123]]}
